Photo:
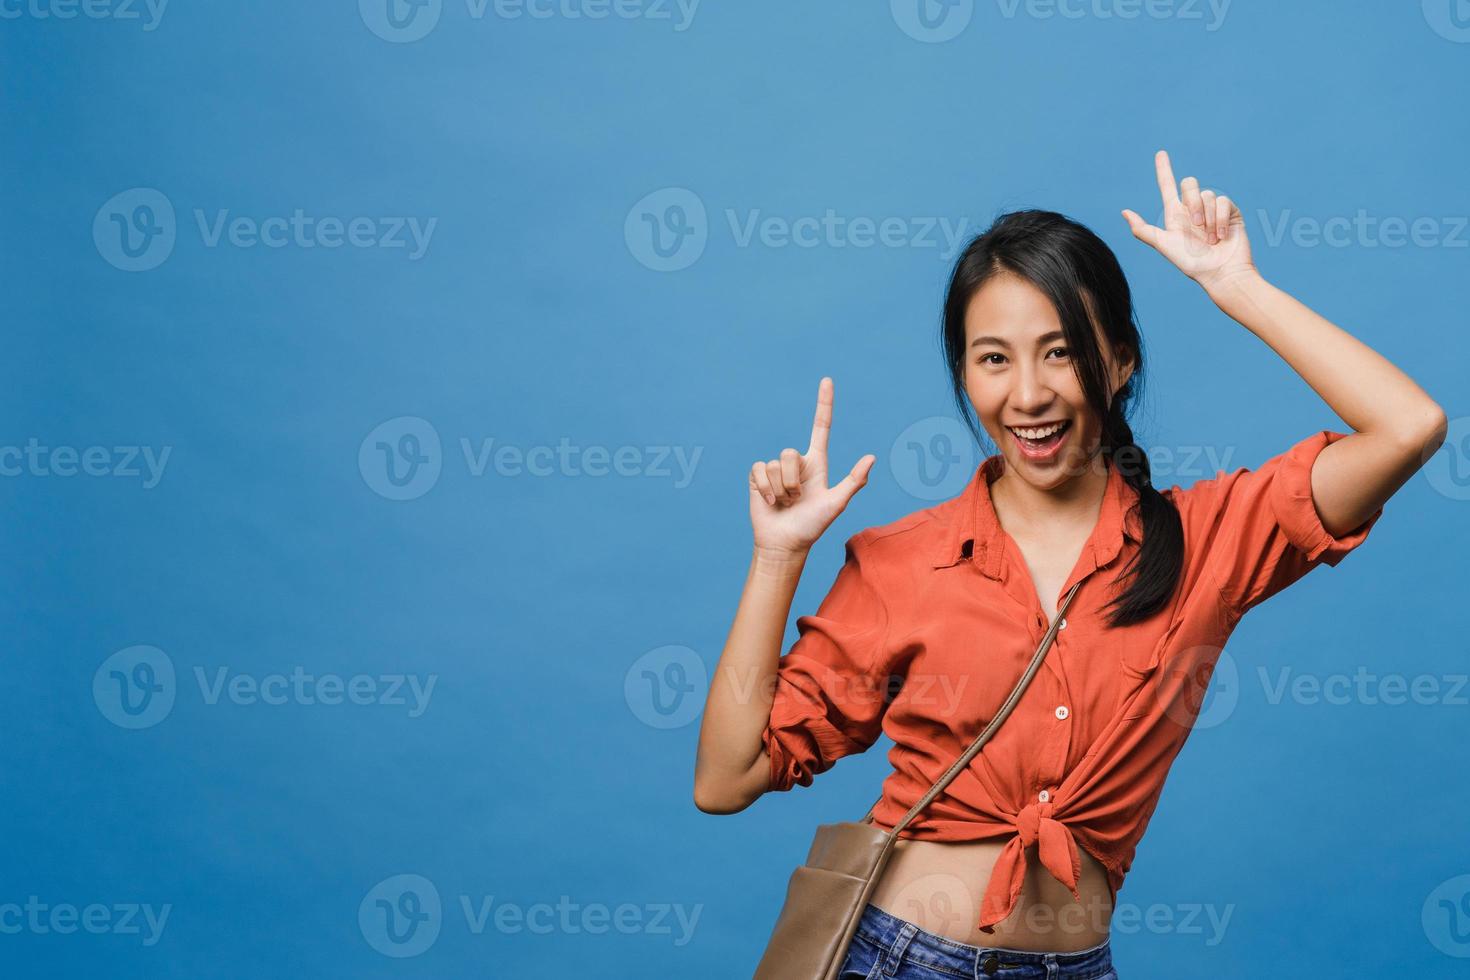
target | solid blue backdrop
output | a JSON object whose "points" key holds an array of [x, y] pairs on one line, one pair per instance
{"points": [[383, 382]]}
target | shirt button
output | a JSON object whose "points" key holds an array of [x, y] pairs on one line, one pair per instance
{"points": [[1043, 796], [1062, 711], [1063, 624]]}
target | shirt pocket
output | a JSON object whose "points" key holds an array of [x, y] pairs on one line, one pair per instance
{"points": [[1140, 665]]}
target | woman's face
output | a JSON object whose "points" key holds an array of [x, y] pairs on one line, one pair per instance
{"points": [[1019, 374]]}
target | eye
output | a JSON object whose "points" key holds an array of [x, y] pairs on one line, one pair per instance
{"points": [[1064, 351], [985, 358]]}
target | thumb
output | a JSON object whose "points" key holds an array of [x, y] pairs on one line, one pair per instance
{"points": [[1141, 229], [857, 479]]}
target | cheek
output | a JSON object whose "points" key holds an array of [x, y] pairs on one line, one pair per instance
{"points": [[986, 394]]}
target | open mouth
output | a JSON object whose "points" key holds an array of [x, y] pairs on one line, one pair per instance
{"points": [[1041, 441]]}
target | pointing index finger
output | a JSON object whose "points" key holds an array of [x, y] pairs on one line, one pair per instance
{"points": [[822, 424], [1168, 187]]}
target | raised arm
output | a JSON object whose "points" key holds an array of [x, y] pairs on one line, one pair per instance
{"points": [[1396, 425], [790, 508]]}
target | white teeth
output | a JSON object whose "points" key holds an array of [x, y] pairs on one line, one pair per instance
{"points": [[1038, 433]]}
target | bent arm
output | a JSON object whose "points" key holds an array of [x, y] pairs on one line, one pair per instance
{"points": [[732, 768], [1397, 426]]}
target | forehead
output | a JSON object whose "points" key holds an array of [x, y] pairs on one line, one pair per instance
{"points": [[1010, 307]]}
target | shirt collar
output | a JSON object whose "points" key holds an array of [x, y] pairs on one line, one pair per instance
{"points": [[976, 523]]}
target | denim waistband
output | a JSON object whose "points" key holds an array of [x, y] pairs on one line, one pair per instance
{"points": [[903, 941]]}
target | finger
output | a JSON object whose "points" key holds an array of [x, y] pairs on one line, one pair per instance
{"points": [[1224, 216], [1190, 188], [762, 482], [1142, 230], [857, 478], [778, 486], [822, 424], [1168, 190], [791, 472], [1207, 199]]}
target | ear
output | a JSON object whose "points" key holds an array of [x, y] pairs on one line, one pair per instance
{"points": [[1123, 365]]}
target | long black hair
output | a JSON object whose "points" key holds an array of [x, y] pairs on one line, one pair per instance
{"points": [[1081, 276]]}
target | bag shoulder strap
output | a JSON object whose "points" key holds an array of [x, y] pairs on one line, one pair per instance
{"points": [[984, 736]]}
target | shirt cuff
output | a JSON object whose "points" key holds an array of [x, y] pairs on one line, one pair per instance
{"points": [[1291, 502]]}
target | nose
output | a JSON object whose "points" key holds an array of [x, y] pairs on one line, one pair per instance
{"points": [[1031, 394]]}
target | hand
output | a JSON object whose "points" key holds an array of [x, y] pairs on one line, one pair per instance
{"points": [[1203, 234], [790, 502]]}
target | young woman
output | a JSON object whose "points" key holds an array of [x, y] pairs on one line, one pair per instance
{"points": [[934, 617]]}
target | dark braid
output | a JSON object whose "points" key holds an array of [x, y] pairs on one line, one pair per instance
{"points": [[1159, 561]]}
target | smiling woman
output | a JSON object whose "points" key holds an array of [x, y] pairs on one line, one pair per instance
{"points": [[1012, 860]]}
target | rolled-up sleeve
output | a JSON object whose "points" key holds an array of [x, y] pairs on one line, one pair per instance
{"points": [[828, 699], [1264, 528]]}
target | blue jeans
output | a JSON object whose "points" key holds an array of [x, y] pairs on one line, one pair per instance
{"points": [[886, 947]]}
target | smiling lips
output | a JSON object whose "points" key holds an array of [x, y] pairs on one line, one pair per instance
{"points": [[1041, 442]]}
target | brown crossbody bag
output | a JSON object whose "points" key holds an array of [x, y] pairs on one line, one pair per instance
{"points": [[825, 897]]}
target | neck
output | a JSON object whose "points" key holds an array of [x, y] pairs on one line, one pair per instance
{"points": [[1076, 500]]}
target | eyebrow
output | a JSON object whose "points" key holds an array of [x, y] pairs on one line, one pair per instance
{"points": [[1045, 338]]}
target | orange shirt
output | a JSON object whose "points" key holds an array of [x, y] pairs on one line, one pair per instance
{"points": [[942, 600]]}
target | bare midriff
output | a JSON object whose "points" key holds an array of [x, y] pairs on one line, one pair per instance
{"points": [[938, 886]]}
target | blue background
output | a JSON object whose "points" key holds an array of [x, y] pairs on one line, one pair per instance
{"points": [[544, 764]]}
